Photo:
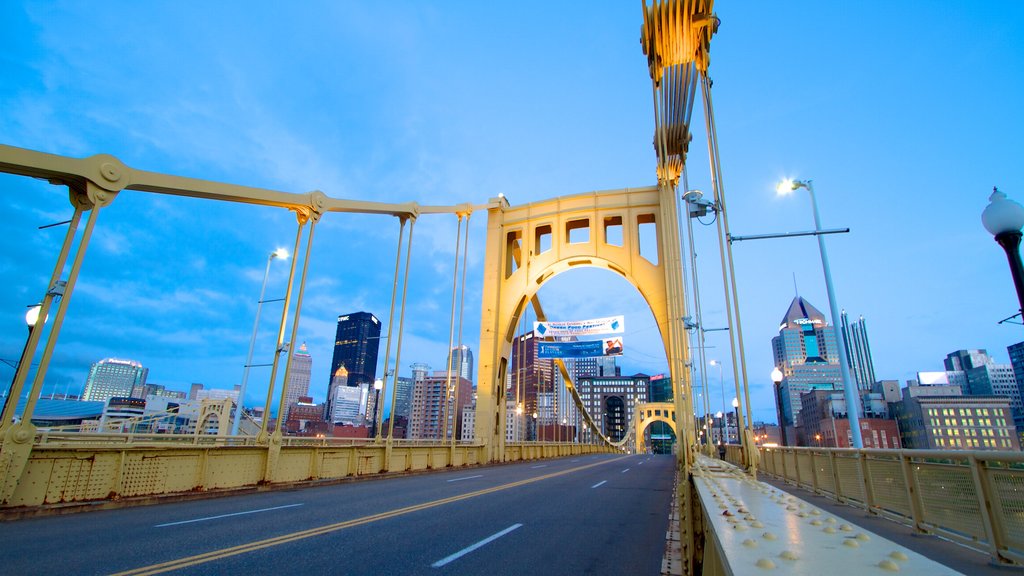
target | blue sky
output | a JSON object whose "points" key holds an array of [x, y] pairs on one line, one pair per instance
{"points": [[905, 114]]}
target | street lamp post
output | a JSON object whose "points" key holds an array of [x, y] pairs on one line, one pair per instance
{"points": [[736, 411], [721, 379], [777, 380], [378, 385], [31, 317], [1004, 218], [721, 431], [279, 253], [849, 387]]}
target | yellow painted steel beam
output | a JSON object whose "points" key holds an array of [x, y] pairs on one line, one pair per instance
{"points": [[112, 176]]}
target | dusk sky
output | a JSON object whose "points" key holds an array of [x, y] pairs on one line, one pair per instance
{"points": [[904, 114]]}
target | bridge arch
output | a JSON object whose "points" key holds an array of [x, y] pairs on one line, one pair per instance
{"points": [[646, 414], [529, 245]]}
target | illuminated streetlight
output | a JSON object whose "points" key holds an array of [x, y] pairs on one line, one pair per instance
{"points": [[32, 316], [777, 377], [378, 385], [1004, 218], [849, 387], [282, 254]]}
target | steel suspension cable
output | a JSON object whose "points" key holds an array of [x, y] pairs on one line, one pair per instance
{"points": [[401, 326], [462, 309], [387, 348], [445, 412]]}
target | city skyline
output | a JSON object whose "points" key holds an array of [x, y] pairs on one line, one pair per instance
{"points": [[173, 282]]}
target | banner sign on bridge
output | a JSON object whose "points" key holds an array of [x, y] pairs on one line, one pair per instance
{"points": [[610, 325], [586, 349]]}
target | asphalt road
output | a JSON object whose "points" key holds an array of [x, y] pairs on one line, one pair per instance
{"points": [[598, 514]]}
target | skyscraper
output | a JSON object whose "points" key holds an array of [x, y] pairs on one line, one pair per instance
{"points": [[527, 373], [356, 344], [298, 378], [807, 354], [858, 351], [461, 361], [111, 377]]}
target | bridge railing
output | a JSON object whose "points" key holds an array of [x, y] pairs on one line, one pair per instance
{"points": [[973, 498], [91, 468]]}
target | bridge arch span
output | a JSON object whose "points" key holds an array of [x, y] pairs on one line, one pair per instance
{"points": [[529, 245]]}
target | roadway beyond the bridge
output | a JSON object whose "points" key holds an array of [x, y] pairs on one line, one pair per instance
{"points": [[595, 514]]}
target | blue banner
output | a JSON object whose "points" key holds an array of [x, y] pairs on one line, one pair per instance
{"points": [[585, 349]]}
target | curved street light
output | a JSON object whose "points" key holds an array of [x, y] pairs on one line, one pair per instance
{"points": [[283, 255], [849, 387], [1004, 218]]}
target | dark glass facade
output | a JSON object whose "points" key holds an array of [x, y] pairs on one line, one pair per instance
{"points": [[356, 345]]}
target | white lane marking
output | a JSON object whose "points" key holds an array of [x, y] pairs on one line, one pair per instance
{"points": [[226, 515], [624, 471], [540, 466], [599, 483], [465, 478], [642, 461], [467, 550], [577, 460]]}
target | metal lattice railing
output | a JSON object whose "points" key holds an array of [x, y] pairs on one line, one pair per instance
{"points": [[974, 498]]}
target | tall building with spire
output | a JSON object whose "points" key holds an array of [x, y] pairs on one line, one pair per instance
{"points": [[298, 378], [858, 352], [807, 353], [356, 344]]}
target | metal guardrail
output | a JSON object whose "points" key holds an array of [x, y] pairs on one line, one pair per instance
{"points": [[972, 498]]}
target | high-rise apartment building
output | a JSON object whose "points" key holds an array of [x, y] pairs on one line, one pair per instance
{"points": [[858, 352], [429, 413], [356, 345], [461, 361], [807, 354], [112, 377], [298, 378]]}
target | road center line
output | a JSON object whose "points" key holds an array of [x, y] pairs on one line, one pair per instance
{"points": [[465, 478], [599, 483], [184, 562], [225, 515], [468, 549], [540, 466]]}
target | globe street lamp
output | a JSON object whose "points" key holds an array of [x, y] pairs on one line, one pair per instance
{"points": [[736, 411], [378, 385], [31, 318], [777, 377], [282, 254], [849, 387], [1004, 218]]}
